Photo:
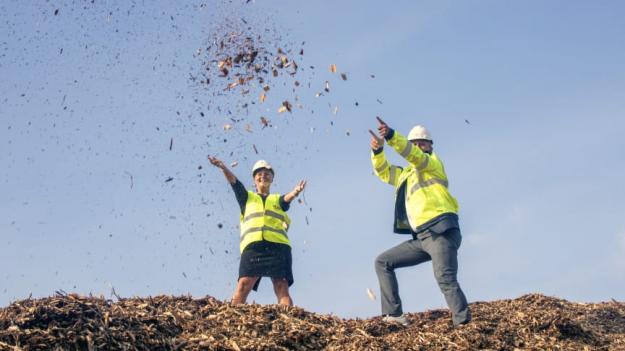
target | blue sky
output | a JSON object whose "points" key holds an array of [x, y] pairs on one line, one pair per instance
{"points": [[537, 170]]}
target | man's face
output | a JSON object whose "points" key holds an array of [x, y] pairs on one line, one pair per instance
{"points": [[263, 177], [424, 145]]}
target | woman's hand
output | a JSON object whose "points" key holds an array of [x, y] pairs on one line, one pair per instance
{"points": [[296, 191], [230, 177], [299, 187], [216, 162]]}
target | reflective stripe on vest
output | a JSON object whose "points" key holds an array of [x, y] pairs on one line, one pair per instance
{"points": [[423, 184], [266, 228]]}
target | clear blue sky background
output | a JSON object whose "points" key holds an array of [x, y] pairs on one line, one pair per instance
{"points": [[538, 170]]}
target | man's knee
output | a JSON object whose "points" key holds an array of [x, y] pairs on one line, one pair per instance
{"points": [[381, 263], [446, 279]]}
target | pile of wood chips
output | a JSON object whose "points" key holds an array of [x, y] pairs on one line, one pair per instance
{"points": [[530, 322]]}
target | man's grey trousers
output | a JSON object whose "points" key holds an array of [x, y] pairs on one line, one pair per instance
{"points": [[442, 249]]}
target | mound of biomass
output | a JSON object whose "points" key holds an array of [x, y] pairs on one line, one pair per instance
{"points": [[530, 322]]}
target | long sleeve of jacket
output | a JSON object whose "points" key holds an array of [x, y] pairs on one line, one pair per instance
{"points": [[384, 170], [410, 152]]}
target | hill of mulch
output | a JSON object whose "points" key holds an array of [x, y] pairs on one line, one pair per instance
{"points": [[530, 322]]}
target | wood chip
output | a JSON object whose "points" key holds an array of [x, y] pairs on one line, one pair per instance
{"points": [[370, 294]]}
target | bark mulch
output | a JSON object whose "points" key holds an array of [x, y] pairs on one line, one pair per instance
{"points": [[530, 322]]}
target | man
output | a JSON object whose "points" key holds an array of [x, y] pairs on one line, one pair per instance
{"points": [[425, 209], [264, 244]]}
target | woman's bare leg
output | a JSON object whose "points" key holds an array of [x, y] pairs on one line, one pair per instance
{"points": [[244, 286], [281, 288]]}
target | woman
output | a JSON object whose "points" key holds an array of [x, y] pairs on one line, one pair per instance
{"points": [[265, 246]]}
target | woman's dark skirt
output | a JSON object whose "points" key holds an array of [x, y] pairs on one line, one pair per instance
{"points": [[266, 259]]}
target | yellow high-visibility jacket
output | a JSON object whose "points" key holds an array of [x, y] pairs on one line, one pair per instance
{"points": [[427, 196], [263, 221]]}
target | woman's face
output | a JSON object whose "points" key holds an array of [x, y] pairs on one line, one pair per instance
{"points": [[263, 177]]}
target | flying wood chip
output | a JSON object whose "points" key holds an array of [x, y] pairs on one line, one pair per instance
{"points": [[333, 68], [370, 294], [234, 164], [262, 97], [231, 85], [227, 126], [287, 105], [344, 76], [327, 87], [265, 122], [281, 109]]}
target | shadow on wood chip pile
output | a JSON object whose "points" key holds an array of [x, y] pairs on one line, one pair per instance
{"points": [[530, 322]]}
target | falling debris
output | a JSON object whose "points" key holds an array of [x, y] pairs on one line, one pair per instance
{"points": [[335, 110], [262, 97], [169, 179], [287, 105], [333, 68], [347, 132], [184, 274], [370, 294], [344, 76], [234, 164], [467, 121], [379, 101], [327, 87], [264, 121], [255, 150], [227, 126], [56, 12], [219, 225], [171, 143], [131, 179]]}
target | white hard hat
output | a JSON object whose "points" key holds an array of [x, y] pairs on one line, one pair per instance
{"points": [[261, 164], [419, 133]]}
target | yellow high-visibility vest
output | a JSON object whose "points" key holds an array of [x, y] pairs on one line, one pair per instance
{"points": [[427, 195], [264, 221]]}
